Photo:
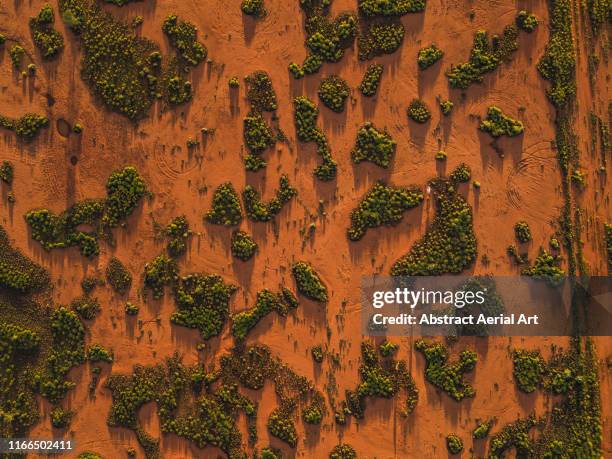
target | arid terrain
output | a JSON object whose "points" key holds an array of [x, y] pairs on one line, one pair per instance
{"points": [[513, 178]]}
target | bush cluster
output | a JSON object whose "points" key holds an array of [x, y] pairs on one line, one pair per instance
{"points": [[96, 353], [546, 267], [373, 145], [177, 232], [526, 21], [6, 172], [380, 38], [254, 163], [333, 92], [317, 353], [482, 430], [308, 282], [461, 174], [260, 92], [446, 107], [243, 246], [176, 89], [26, 127], [343, 451], [371, 80], [306, 113], [282, 427], [202, 303], [428, 56], [18, 272], [444, 375], [484, 57], [513, 435], [124, 190], [48, 40], [418, 111], [118, 275], [528, 369], [158, 273], [498, 124], [131, 309], [449, 246], [253, 8], [17, 53], [266, 302], [382, 205], [226, 208], [313, 413], [599, 11], [60, 418], [388, 348], [257, 134], [183, 36], [522, 232], [86, 306], [260, 211], [454, 444], [390, 7]]}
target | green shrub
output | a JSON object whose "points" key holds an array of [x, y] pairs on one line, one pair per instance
{"points": [[371, 80], [373, 145], [418, 111], [257, 135], [484, 58], [26, 127], [124, 190], [48, 40], [446, 107], [441, 156], [387, 348], [253, 8], [97, 353], [271, 453], [160, 272], [513, 435], [526, 21], [226, 208], [260, 211], [454, 444], [17, 52], [317, 354], [449, 245], [380, 38], [260, 92], [131, 309], [444, 375], [202, 303], [282, 427], [598, 11], [118, 275], [6, 172], [482, 430], [243, 246], [498, 124], [233, 82], [522, 231], [382, 205], [313, 414], [529, 368], [177, 231], [266, 302], [428, 56], [86, 306], [305, 116], [183, 37], [461, 174], [254, 163], [546, 267], [60, 418], [308, 282], [390, 7], [333, 92], [343, 451]]}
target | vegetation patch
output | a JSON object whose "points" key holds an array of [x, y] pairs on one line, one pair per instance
{"points": [[124, 190], [183, 37], [454, 444], [390, 7], [608, 239], [177, 232], [86, 306], [373, 145], [482, 429], [447, 376], [308, 282], [96, 353], [260, 92], [243, 246], [257, 134], [253, 8], [546, 267], [418, 111], [498, 124], [333, 92], [266, 302], [514, 435], [48, 40], [343, 451], [484, 57], [306, 113], [526, 21], [226, 208], [449, 246], [382, 205], [428, 56], [26, 127], [118, 276], [379, 38], [529, 368], [158, 273], [522, 231], [260, 211], [371, 80], [6, 172]]}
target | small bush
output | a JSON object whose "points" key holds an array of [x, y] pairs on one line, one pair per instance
{"points": [[86, 306], [446, 106], [266, 302], [253, 8], [546, 267], [17, 52], [379, 39], [226, 208], [97, 353], [233, 82], [177, 231], [60, 418], [243, 246], [160, 272], [428, 56], [371, 80], [260, 211], [260, 92], [418, 111], [522, 231], [482, 430], [6, 172], [387, 348], [373, 145], [317, 354], [183, 37], [526, 21], [118, 276], [454, 444], [48, 40], [282, 427], [257, 135], [498, 124], [529, 368], [342, 451], [333, 92], [131, 309], [308, 282], [461, 174]]}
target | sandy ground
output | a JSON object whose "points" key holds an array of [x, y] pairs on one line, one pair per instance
{"points": [[524, 184]]}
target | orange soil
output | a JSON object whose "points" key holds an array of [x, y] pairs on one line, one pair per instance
{"points": [[525, 184]]}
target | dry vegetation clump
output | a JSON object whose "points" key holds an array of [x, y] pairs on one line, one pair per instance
{"points": [[522, 232], [546, 267], [373, 145], [177, 232], [498, 124], [243, 246], [371, 80], [124, 190], [308, 282], [333, 92], [454, 444], [526, 21], [306, 113], [446, 376], [48, 40], [418, 111], [6, 172], [380, 38], [226, 208], [118, 275], [608, 238], [428, 56], [26, 127], [382, 205], [343, 451], [158, 273], [260, 92], [260, 211], [183, 37], [446, 106]]}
